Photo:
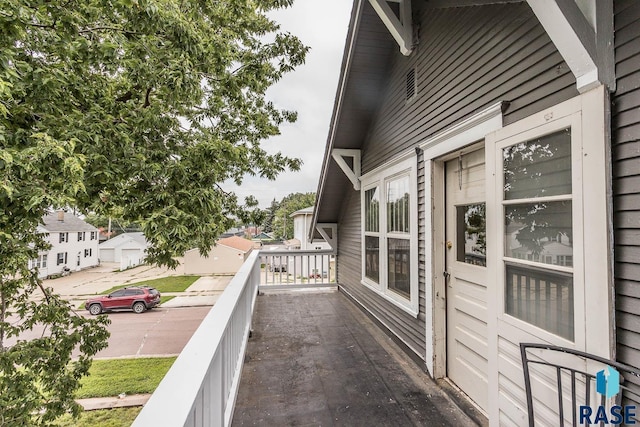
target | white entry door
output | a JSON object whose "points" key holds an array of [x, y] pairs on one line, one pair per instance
{"points": [[465, 241]]}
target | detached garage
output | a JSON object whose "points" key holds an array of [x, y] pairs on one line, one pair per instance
{"points": [[224, 258], [128, 249]]}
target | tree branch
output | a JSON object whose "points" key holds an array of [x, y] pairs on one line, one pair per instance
{"points": [[107, 28], [146, 98]]}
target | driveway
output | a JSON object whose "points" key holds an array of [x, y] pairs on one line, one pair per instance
{"points": [[98, 279]]}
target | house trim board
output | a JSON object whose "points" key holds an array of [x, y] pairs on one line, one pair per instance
{"points": [[339, 154], [458, 136], [587, 47], [331, 240]]}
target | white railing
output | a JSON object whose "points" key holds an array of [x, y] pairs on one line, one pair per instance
{"points": [[296, 268], [201, 387]]}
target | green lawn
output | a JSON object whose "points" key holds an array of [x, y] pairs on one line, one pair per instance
{"points": [[118, 417], [164, 284], [131, 376]]}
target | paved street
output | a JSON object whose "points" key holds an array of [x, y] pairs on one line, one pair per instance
{"points": [[161, 331], [157, 332]]}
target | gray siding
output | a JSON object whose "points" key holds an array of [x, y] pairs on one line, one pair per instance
{"points": [[626, 180], [467, 60], [406, 327]]}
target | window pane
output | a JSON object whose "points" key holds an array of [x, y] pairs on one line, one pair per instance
{"points": [[398, 205], [471, 234], [372, 258], [540, 167], [539, 232], [398, 277], [540, 297], [372, 210]]}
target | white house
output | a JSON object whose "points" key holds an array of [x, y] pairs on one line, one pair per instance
{"points": [[74, 244], [318, 265], [129, 249], [301, 227]]}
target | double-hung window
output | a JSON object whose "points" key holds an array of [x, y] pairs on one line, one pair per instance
{"points": [[389, 233], [61, 258]]}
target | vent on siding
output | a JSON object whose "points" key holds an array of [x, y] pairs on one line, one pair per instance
{"points": [[411, 84]]}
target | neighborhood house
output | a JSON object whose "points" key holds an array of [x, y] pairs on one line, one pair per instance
{"points": [[74, 245]]}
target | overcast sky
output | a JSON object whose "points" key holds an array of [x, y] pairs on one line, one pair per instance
{"points": [[309, 90]]}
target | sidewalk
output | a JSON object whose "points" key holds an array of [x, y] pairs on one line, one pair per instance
{"points": [[204, 291], [80, 286], [113, 402]]}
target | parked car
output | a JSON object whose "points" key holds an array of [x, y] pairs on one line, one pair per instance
{"points": [[138, 298]]}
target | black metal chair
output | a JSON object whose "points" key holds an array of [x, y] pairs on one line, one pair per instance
{"points": [[581, 382]]}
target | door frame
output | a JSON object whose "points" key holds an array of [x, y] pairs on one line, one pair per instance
{"points": [[436, 151]]}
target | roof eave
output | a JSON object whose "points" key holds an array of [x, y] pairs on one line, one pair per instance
{"points": [[356, 13]]}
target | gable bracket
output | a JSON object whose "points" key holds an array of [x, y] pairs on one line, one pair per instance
{"points": [[586, 44], [401, 28], [329, 232], [339, 155]]}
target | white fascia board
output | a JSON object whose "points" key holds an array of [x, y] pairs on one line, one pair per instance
{"points": [[573, 36], [402, 32]]}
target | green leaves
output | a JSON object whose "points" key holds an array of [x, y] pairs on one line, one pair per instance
{"points": [[136, 109]]}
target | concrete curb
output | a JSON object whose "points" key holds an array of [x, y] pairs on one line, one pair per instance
{"points": [[113, 402]]}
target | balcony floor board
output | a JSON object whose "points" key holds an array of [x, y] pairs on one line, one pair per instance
{"points": [[316, 359]]}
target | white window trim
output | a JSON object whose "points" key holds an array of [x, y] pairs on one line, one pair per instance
{"points": [[379, 178]]}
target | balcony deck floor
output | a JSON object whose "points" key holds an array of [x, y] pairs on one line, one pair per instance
{"points": [[316, 359]]}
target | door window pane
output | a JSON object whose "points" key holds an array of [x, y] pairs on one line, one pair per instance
{"points": [[539, 167], [372, 210], [541, 297], [539, 232], [398, 267], [372, 258], [471, 234], [398, 205]]}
